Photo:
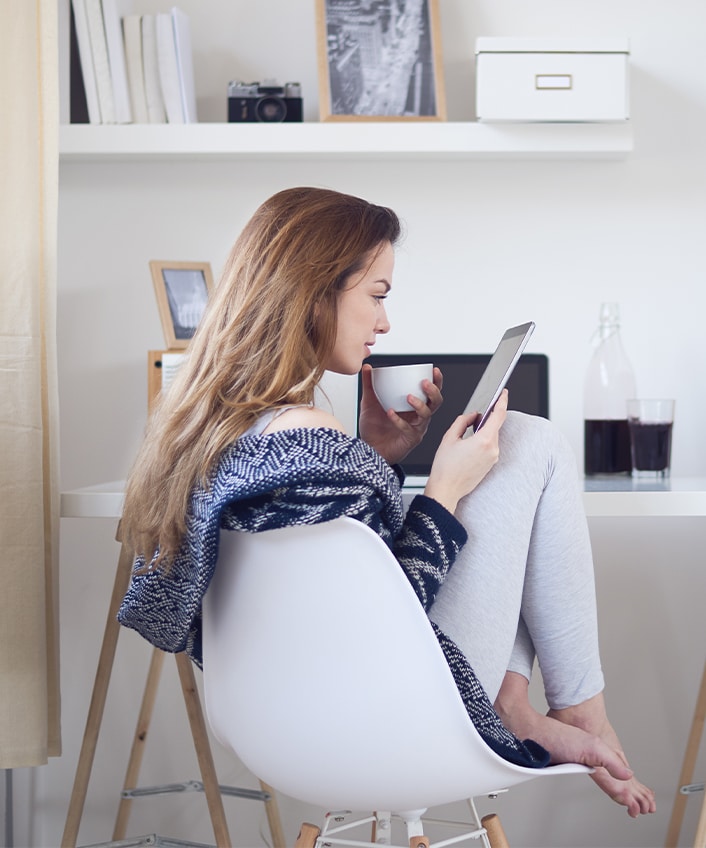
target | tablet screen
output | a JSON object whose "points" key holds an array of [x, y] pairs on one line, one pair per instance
{"points": [[498, 372]]}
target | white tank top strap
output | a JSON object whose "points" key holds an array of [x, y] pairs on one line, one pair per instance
{"points": [[267, 417]]}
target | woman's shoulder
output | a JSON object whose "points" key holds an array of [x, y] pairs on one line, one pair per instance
{"points": [[303, 416]]}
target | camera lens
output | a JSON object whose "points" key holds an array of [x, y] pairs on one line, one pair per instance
{"points": [[270, 109]]}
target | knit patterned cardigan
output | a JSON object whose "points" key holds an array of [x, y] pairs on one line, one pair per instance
{"points": [[307, 476]]}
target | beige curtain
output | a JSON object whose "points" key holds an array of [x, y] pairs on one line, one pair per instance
{"points": [[29, 681]]}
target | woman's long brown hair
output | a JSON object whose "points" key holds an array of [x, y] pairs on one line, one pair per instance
{"points": [[263, 342]]}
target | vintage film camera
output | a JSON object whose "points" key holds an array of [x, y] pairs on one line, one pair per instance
{"points": [[267, 103]]}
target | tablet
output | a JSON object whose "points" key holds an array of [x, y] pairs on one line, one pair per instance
{"points": [[498, 372]]}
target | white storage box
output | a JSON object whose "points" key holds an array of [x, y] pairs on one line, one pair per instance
{"points": [[538, 79]]}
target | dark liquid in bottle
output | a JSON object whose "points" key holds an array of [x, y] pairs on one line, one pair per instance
{"points": [[607, 447], [651, 445]]}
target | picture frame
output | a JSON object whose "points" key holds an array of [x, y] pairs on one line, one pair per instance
{"points": [[182, 289], [380, 61]]}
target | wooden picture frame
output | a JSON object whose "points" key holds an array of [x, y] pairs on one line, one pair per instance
{"points": [[381, 61], [182, 289]]}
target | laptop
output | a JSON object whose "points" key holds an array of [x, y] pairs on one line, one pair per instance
{"points": [[528, 389]]}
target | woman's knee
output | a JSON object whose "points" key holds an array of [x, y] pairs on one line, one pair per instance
{"points": [[533, 448], [529, 437]]}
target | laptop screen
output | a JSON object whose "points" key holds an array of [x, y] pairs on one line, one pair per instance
{"points": [[528, 389]]}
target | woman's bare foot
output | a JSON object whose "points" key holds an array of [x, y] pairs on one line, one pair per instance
{"points": [[578, 735], [591, 716]]}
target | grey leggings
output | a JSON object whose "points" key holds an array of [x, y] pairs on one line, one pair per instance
{"points": [[523, 584]]}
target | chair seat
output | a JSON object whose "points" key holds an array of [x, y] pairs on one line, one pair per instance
{"points": [[323, 675]]}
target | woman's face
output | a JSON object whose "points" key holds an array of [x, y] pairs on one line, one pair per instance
{"points": [[361, 313]]}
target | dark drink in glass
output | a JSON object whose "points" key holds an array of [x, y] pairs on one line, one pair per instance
{"points": [[650, 422], [651, 445], [607, 447]]}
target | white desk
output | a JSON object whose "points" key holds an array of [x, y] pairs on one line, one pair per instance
{"points": [[603, 496], [625, 497], [104, 500]]}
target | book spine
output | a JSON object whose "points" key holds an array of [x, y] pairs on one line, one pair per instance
{"points": [[185, 63], [153, 90], [132, 37], [101, 63], [168, 68], [116, 57]]}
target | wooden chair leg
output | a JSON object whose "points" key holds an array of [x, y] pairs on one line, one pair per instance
{"points": [[688, 764], [496, 834], [700, 841], [138, 743], [308, 835], [203, 751], [273, 817], [98, 698]]}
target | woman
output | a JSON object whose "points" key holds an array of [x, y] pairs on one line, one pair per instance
{"points": [[237, 443]]}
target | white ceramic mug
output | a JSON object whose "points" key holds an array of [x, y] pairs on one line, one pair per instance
{"points": [[392, 384]]}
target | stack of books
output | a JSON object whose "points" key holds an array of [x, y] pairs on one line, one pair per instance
{"points": [[130, 68]]}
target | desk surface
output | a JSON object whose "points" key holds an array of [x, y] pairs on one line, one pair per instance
{"points": [[676, 496], [603, 496]]}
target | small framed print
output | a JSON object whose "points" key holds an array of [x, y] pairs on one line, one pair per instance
{"points": [[380, 60], [182, 289]]}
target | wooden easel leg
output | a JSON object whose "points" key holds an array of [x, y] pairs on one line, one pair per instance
{"points": [[688, 764], [97, 705], [203, 750], [138, 743]]}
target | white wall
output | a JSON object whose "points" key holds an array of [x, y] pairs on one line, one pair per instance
{"points": [[489, 244]]}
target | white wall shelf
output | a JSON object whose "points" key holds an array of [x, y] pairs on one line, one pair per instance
{"points": [[352, 140]]}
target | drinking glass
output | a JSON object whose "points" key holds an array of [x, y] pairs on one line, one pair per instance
{"points": [[650, 422]]}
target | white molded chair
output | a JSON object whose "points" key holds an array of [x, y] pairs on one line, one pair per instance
{"points": [[323, 675]]}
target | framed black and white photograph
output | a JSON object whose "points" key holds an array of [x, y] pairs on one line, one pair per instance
{"points": [[380, 60], [182, 289]]}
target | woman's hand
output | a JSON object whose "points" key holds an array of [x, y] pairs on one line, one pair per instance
{"points": [[394, 434], [460, 464]]}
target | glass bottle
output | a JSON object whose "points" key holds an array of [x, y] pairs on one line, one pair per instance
{"points": [[609, 382]]}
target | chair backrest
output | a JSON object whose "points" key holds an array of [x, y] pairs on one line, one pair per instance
{"points": [[323, 675]]}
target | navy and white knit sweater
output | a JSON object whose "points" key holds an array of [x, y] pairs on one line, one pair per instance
{"points": [[307, 476]]}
